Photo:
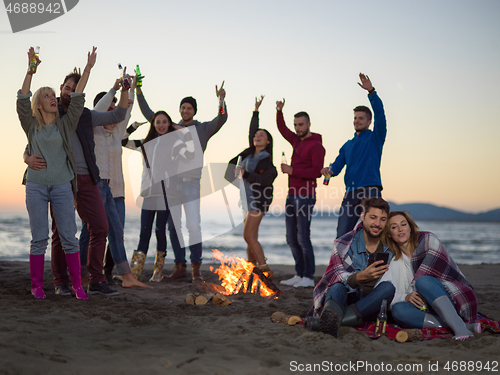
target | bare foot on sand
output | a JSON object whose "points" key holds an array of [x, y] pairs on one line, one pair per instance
{"points": [[129, 281], [85, 281]]}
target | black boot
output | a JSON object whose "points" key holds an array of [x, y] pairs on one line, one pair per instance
{"points": [[330, 318], [352, 317]]}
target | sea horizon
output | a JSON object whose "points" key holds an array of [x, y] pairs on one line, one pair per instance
{"points": [[467, 242]]}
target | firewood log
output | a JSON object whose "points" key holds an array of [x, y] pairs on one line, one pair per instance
{"points": [[190, 299], [200, 300], [408, 335], [280, 317], [221, 300]]}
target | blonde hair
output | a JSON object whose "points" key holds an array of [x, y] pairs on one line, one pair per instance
{"points": [[414, 233], [37, 96]]}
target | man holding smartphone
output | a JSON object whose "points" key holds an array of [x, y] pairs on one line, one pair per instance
{"points": [[347, 294]]}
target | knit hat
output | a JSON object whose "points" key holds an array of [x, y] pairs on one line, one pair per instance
{"points": [[190, 100]]}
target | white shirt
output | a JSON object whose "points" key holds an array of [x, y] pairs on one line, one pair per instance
{"points": [[400, 274]]}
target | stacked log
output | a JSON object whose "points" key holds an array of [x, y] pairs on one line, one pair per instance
{"points": [[280, 317], [217, 299]]}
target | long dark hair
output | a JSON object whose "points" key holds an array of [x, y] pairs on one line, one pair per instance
{"points": [[268, 148], [152, 130]]}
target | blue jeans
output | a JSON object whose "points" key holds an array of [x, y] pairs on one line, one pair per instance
{"points": [[189, 197], [62, 202], [298, 214], [407, 314], [108, 258], [367, 304], [115, 234], [351, 208]]}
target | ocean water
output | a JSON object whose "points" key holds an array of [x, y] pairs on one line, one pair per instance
{"points": [[468, 243]]}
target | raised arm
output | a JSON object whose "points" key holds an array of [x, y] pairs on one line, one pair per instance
{"points": [[103, 104], [147, 112], [280, 121], [91, 58], [380, 123], [212, 127], [254, 123]]}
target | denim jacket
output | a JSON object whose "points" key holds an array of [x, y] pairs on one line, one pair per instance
{"points": [[360, 256]]}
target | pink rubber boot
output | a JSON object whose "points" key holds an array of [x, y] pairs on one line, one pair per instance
{"points": [[36, 273], [73, 261]]}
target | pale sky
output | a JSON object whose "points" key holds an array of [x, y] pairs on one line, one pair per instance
{"points": [[435, 65]]}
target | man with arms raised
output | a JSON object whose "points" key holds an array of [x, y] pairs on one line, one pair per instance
{"points": [[188, 185], [346, 294], [361, 155]]}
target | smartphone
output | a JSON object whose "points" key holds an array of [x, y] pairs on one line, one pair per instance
{"points": [[382, 256]]}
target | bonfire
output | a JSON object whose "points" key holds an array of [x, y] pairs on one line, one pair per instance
{"points": [[237, 275]]}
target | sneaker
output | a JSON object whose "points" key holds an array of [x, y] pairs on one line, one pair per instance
{"points": [[294, 280], [304, 283], [62, 290], [101, 288]]}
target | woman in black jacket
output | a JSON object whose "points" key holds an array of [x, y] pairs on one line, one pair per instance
{"points": [[256, 176]]}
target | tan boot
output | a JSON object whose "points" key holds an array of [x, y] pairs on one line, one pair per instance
{"points": [[137, 263], [179, 272], [159, 262], [195, 272], [266, 270]]}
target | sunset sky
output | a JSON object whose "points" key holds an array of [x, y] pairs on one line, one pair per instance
{"points": [[435, 65]]}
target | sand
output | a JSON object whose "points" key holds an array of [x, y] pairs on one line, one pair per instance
{"points": [[156, 332]]}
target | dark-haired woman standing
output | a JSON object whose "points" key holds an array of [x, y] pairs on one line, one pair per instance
{"points": [[257, 174]]}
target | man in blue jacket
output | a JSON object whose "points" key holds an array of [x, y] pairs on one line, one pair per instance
{"points": [[361, 155]]}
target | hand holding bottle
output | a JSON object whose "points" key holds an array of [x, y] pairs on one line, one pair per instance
{"points": [[33, 59]]}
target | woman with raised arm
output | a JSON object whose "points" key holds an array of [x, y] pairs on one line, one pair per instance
{"points": [[164, 145], [431, 292], [257, 174], [50, 136]]}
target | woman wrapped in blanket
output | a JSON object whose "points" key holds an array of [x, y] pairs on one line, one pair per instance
{"points": [[257, 174], [165, 144], [431, 292], [50, 136]]}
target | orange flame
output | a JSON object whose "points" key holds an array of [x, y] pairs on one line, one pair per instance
{"points": [[235, 274]]}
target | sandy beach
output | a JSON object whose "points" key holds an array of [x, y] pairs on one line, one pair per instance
{"points": [[156, 332]]}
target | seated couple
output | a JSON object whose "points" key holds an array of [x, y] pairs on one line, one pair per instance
{"points": [[421, 274]]}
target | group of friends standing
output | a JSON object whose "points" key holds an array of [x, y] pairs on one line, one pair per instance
{"points": [[74, 161]]}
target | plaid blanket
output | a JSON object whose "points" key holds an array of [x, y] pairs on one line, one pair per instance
{"points": [[391, 330], [339, 269], [431, 259]]}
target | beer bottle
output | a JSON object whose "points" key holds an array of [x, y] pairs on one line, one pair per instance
{"points": [[283, 158], [34, 60], [123, 76], [326, 181], [238, 169], [381, 319], [138, 76]]}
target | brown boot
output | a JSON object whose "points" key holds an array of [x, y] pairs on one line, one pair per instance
{"points": [[195, 272], [179, 272]]}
